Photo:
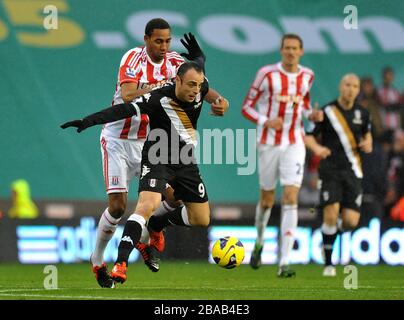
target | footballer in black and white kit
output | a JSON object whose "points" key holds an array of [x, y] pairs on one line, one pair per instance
{"points": [[167, 156], [341, 172], [344, 134]]}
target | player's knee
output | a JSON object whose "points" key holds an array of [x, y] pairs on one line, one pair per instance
{"points": [[349, 225], [201, 220], [205, 221], [267, 203], [330, 219], [267, 200], [289, 198]]}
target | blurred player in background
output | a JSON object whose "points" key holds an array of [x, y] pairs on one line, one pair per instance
{"points": [[142, 69], [281, 93], [174, 110], [344, 133]]}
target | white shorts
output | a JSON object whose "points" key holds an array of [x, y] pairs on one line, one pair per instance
{"points": [[281, 162], [120, 162]]}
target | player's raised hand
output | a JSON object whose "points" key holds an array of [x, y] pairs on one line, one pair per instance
{"points": [[194, 50], [219, 106], [79, 124], [316, 115]]}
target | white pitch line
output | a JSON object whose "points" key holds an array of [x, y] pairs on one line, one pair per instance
{"points": [[43, 289], [70, 297], [17, 290]]}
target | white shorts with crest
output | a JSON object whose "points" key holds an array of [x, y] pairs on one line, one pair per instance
{"points": [[284, 163], [121, 162]]}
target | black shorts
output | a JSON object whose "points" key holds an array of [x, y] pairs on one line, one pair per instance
{"points": [[185, 180], [342, 187]]}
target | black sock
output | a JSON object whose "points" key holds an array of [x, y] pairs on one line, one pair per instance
{"points": [[158, 223], [328, 242], [131, 236]]}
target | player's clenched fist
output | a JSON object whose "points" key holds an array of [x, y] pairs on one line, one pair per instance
{"points": [[219, 106], [322, 152]]}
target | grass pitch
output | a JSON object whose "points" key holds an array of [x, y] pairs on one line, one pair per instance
{"points": [[198, 280]]}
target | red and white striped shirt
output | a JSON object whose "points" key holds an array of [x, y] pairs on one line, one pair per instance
{"points": [[389, 96], [136, 66], [278, 93]]}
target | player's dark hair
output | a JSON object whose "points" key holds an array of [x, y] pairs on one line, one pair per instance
{"points": [[292, 36], [387, 69], [366, 79], [188, 66], [156, 23]]}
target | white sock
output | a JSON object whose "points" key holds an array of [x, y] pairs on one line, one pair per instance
{"points": [[184, 215], [261, 221], [180, 217], [106, 229], [144, 237], [328, 230], [288, 228], [163, 208]]}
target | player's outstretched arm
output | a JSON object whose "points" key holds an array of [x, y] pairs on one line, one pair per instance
{"points": [[111, 114]]}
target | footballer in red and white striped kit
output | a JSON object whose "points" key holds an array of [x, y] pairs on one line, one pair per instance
{"points": [[141, 69], [277, 100]]}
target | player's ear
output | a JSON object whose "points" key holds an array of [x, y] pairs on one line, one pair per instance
{"points": [[178, 79]]}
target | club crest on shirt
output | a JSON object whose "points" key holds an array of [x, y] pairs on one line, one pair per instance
{"points": [[152, 183], [115, 180], [357, 117], [197, 105], [130, 72]]}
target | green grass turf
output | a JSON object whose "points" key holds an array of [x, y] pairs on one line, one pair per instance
{"points": [[201, 280]]}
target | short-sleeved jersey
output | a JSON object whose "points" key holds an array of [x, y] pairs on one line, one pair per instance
{"points": [[389, 97], [136, 66], [174, 119], [278, 93], [341, 131]]}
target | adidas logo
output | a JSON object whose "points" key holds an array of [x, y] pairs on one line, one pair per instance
{"points": [[127, 239]]}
